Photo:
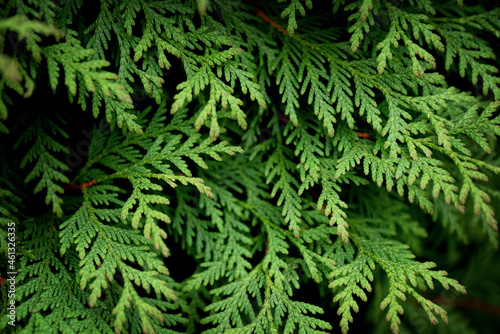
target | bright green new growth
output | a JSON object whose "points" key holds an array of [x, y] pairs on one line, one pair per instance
{"points": [[296, 149]]}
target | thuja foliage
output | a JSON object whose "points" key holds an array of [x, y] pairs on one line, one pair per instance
{"points": [[249, 166]]}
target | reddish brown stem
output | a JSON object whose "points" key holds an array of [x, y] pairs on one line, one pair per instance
{"points": [[87, 184], [364, 135], [260, 13]]}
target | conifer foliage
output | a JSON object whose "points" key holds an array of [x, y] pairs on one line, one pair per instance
{"points": [[247, 166]]}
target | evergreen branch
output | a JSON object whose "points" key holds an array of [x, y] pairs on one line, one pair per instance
{"points": [[290, 11], [76, 65], [48, 169]]}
